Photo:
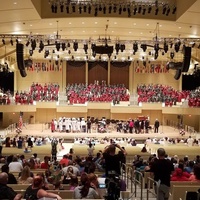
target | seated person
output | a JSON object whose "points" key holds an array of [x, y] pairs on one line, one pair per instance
{"points": [[35, 190], [86, 190], [5, 191]]}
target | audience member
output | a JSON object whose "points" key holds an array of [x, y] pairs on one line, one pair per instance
{"points": [[5, 191], [35, 190], [86, 190]]}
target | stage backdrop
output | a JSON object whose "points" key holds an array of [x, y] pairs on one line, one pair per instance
{"points": [[97, 71], [75, 72]]}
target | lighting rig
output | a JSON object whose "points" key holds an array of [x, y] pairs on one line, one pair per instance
{"points": [[114, 48], [106, 7]]}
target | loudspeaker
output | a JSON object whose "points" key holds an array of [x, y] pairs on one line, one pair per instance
{"points": [[23, 73], [186, 58], [20, 59], [178, 74]]}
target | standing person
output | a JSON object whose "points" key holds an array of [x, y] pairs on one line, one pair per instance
{"points": [[131, 125], [156, 126], [90, 149], [1, 144], [112, 160], [52, 126], [54, 144], [162, 169], [89, 123]]}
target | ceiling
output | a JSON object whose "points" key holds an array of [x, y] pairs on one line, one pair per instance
{"points": [[35, 18]]}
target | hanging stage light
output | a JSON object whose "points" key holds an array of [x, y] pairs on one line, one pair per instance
{"points": [[165, 47], [174, 10], [63, 46], [85, 47], [135, 10], [168, 11], [156, 11], [144, 47], [135, 47], [149, 9]]}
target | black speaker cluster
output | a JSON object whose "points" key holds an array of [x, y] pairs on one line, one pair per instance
{"points": [[20, 59], [181, 66]]}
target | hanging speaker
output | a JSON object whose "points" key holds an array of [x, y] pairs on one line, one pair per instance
{"points": [[178, 74], [186, 59], [20, 59]]}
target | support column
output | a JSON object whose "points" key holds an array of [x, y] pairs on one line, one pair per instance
{"points": [[86, 72], [131, 77], [180, 83], [108, 72], [64, 75]]}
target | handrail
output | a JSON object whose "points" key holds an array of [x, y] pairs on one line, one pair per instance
{"points": [[149, 189], [138, 180]]}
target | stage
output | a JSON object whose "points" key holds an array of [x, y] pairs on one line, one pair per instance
{"points": [[43, 130]]}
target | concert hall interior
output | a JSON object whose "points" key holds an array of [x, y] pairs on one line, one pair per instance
{"points": [[112, 60]]}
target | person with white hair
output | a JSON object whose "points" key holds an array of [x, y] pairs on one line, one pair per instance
{"points": [[190, 141], [60, 124], [74, 125]]}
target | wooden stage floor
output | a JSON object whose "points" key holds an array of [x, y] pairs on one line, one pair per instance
{"points": [[43, 130]]}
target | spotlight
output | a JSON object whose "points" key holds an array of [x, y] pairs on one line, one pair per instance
{"points": [[104, 10], [135, 10], [69, 52], [110, 9], [63, 46], [89, 9], [144, 47], [41, 46], [100, 7], [139, 9], [174, 10], [33, 44], [120, 10], [177, 47], [172, 55], [46, 53], [80, 9], [30, 52], [68, 44], [124, 9], [85, 8], [144, 11], [61, 7], [129, 11], [149, 9], [156, 11], [57, 46], [122, 47], [156, 47], [73, 8], [135, 47], [11, 41], [53, 51], [96, 12], [168, 11], [67, 9], [164, 9], [75, 46], [55, 9], [156, 55], [117, 47], [3, 41], [115, 9], [165, 47], [85, 47]]}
